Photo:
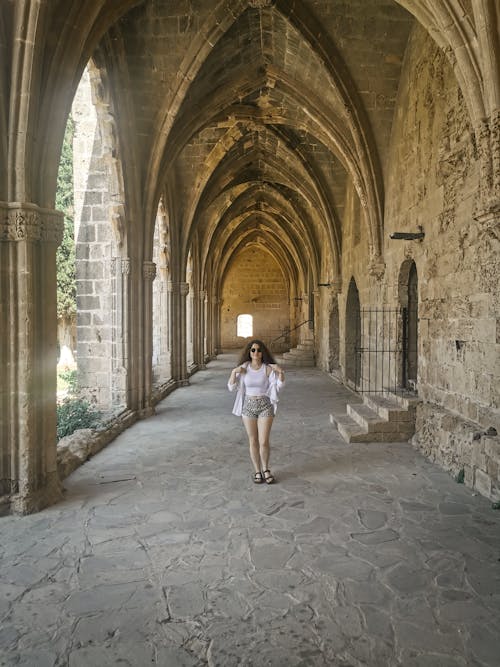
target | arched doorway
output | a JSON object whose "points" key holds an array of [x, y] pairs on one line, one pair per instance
{"points": [[353, 336], [333, 337], [408, 294], [412, 356]]}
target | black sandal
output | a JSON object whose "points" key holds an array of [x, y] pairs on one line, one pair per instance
{"points": [[268, 477], [257, 477]]}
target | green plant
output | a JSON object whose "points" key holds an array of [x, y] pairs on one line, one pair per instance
{"points": [[69, 380], [75, 413]]}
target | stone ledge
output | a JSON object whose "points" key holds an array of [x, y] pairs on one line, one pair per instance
{"points": [[80, 446]]}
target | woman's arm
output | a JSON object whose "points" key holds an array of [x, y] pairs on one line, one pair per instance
{"points": [[233, 381], [280, 375]]}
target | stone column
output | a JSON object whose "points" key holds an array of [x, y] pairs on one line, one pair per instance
{"points": [[149, 274], [29, 237], [190, 329], [201, 331], [161, 352], [120, 275], [178, 293], [333, 310], [208, 326], [213, 324]]}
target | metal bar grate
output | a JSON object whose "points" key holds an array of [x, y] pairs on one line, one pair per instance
{"points": [[381, 350]]}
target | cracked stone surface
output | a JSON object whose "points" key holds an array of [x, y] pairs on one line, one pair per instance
{"points": [[164, 552]]}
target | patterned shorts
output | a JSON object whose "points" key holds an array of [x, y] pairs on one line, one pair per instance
{"points": [[257, 406]]}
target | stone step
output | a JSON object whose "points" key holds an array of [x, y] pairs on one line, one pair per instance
{"points": [[349, 429], [388, 408], [296, 352], [388, 417], [405, 400], [287, 363], [372, 422], [302, 355]]}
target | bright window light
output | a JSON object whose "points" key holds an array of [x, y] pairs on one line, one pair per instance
{"points": [[244, 326]]}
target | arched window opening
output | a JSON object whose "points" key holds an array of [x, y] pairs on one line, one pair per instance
{"points": [[244, 326], [353, 337], [161, 361]]}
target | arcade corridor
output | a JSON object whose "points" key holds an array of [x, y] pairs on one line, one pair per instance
{"points": [[163, 551]]}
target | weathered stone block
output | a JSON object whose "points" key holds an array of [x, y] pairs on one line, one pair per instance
{"points": [[93, 270], [84, 287], [483, 483], [87, 302], [492, 447]]}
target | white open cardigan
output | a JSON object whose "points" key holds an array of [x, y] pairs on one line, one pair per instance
{"points": [[275, 385]]}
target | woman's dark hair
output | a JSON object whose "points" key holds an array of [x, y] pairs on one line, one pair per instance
{"points": [[267, 357]]}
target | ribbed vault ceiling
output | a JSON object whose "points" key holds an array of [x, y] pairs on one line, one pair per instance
{"points": [[248, 117], [270, 129]]}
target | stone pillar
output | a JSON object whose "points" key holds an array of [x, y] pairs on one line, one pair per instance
{"points": [[208, 326], [29, 237], [200, 330], [149, 274], [190, 329], [161, 342], [333, 310], [177, 301], [214, 324], [120, 275]]}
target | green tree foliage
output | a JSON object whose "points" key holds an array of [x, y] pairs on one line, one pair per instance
{"points": [[66, 282], [74, 412]]}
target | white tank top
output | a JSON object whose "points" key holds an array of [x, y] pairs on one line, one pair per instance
{"points": [[256, 382]]}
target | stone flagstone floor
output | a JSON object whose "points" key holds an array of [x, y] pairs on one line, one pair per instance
{"points": [[164, 552]]}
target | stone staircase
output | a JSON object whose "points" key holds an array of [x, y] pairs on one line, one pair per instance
{"points": [[379, 418], [302, 355]]}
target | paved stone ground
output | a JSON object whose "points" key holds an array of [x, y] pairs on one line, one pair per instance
{"points": [[163, 551]]}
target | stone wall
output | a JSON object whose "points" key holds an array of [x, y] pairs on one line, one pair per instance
{"points": [[254, 285], [434, 185]]}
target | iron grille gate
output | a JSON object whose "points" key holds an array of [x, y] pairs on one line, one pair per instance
{"points": [[381, 350]]}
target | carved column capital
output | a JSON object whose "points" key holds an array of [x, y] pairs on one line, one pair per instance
{"points": [[337, 285], [376, 267], [125, 264], [28, 222], [23, 224], [178, 288], [149, 270]]}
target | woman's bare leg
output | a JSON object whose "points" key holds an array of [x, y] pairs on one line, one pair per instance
{"points": [[264, 429], [253, 441]]}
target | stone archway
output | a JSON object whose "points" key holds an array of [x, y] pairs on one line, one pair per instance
{"points": [[353, 336]]}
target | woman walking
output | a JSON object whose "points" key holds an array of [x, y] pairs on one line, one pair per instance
{"points": [[257, 379]]}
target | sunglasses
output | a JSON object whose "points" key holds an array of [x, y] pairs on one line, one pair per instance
{"points": [[255, 349]]}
